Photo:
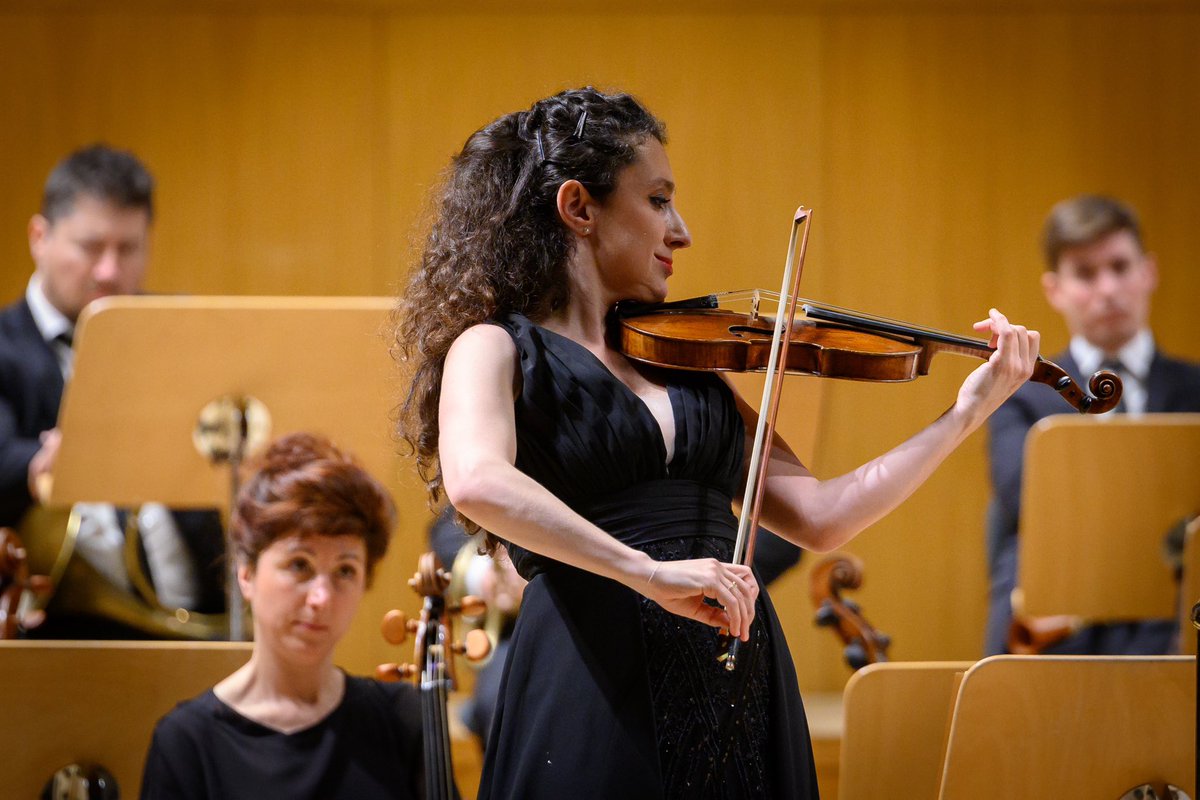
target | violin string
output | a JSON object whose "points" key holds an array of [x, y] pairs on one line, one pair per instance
{"points": [[741, 295]]}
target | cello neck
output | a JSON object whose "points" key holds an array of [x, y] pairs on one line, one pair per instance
{"points": [[435, 686]]}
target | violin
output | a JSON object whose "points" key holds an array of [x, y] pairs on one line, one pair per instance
{"points": [[15, 585], [862, 644], [829, 342], [432, 667], [826, 341]]}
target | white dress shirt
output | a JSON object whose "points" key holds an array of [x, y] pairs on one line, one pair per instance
{"points": [[52, 324]]}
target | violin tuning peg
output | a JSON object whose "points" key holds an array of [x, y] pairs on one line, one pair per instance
{"points": [[826, 615], [883, 641], [476, 646], [471, 606], [396, 626], [390, 673]]}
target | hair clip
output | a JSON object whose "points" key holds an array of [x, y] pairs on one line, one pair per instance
{"points": [[579, 125], [537, 137]]}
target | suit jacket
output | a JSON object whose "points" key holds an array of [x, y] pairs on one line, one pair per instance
{"points": [[1172, 386], [31, 388]]}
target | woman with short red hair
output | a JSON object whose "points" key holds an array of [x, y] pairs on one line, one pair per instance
{"points": [[308, 528]]}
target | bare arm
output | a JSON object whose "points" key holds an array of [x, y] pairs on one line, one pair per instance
{"points": [[478, 446], [825, 514]]}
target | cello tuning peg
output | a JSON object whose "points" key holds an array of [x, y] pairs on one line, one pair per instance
{"points": [[826, 615], [471, 606], [396, 626], [856, 655], [475, 647], [390, 673]]}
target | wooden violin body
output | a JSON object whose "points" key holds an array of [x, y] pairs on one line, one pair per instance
{"points": [[725, 341]]}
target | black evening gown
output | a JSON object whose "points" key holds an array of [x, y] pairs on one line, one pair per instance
{"points": [[605, 694]]}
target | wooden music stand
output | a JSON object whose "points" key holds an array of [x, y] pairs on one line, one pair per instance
{"points": [[1071, 726], [146, 367], [897, 718], [96, 702], [1098, 497]]}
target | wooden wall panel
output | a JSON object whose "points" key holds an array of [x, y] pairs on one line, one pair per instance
{"points": [[295, 144], [260, 128], [953, 134]]}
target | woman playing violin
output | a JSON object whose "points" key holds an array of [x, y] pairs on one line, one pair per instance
{"points": [[309, 526], [612, 483]]}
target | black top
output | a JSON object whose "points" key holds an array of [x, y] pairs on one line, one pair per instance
{"points": [[368, 747], [605, 694]]}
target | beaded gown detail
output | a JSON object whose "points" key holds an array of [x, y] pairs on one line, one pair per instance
{"points": [[605, 694]]}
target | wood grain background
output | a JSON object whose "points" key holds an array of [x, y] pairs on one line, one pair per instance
{"points": [[294, 144]]}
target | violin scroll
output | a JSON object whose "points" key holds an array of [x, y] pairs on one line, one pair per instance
{"points": [[863, 644], [1104, 387]]}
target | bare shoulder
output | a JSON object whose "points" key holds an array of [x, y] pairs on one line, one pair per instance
{"points": [[482, 355], [484, 340]]}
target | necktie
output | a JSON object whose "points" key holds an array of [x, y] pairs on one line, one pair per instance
{"points": [[1115, 365], [64, 351]]}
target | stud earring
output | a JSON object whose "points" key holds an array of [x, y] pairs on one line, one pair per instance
{"points": [[586, 231]]}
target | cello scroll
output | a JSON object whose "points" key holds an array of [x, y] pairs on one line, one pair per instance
{"points": [[863, 644]]}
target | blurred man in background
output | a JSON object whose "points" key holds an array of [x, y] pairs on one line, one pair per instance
{"points": [[90, 239], [1101, 279]]}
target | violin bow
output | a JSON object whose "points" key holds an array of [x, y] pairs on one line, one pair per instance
{"points": [[764, 432]]}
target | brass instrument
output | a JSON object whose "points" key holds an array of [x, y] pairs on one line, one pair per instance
{"points": [[82, 782], [493, 617], [77, 588]]}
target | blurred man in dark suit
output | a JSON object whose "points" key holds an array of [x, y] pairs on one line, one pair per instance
{"points": [[1100, 279], [90, 239]]}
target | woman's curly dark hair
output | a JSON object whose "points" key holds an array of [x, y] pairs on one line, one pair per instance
{"points": [[497, 245], [304, 484]]}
